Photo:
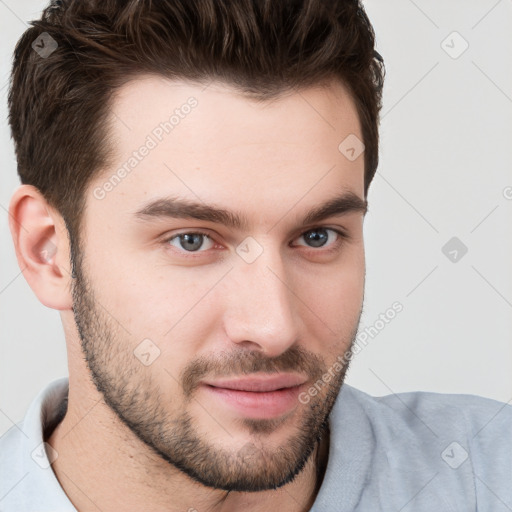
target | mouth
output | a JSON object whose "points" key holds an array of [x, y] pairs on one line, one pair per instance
{"points": [[259, 384], [257, 397]]}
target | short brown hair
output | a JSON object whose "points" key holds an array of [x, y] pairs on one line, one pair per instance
{"points": [[59, 102]]}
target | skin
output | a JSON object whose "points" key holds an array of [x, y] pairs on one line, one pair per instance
{"points": [[139, 437]]}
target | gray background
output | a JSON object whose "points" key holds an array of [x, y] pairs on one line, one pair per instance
{"points": [[445, 171]]}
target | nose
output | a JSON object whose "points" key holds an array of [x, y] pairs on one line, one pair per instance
{"points": [[260, 305]]}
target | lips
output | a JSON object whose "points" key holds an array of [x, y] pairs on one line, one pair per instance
{"points": [[262, 396], [257, 397], [259, 384]]}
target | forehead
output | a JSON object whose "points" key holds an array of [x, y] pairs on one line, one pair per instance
{"points": [[213, 144]]}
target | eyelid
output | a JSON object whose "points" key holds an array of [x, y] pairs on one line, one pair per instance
{"points": [[343, 236], [168, 239]]}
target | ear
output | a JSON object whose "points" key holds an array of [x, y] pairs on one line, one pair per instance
{"points": [[42, 248]]}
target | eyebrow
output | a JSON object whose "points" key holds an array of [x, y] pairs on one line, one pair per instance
{"points": [[177, 208]]}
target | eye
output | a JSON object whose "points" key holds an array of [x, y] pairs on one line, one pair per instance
{"points": [[191, 242], [198, 241], [319, 237]]}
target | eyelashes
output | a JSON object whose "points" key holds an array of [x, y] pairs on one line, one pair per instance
{"points": [[196, 240]]}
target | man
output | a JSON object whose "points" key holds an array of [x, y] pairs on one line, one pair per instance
{"points": [[195, 176]]}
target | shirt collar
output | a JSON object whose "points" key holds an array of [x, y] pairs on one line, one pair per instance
{"points": [[40, 485]]}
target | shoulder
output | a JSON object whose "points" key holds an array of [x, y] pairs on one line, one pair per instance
{"points": [[27, 481], [11, 446], [12, 465], [462, 441], [472, 421], [470, 412]]}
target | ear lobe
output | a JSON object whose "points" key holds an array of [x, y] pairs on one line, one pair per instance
{"points": [[42, 247]]}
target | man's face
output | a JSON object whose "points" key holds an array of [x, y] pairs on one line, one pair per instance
{"points": [[172, 320]]}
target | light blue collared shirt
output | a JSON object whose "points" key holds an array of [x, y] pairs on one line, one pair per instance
{"points": [[421, 452]]}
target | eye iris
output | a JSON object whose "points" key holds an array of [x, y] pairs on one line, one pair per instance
{"points": [[317, 238], [194, 239]]}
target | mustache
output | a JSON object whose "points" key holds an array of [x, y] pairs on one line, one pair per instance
{"points": [[244, 362]]}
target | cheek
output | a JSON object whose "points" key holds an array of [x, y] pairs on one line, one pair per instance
{"points": [[342, 294], [336, 288], [172, 306], [333, 299]]}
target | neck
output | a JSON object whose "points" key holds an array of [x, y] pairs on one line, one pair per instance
{"points": [[102, 465]]}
